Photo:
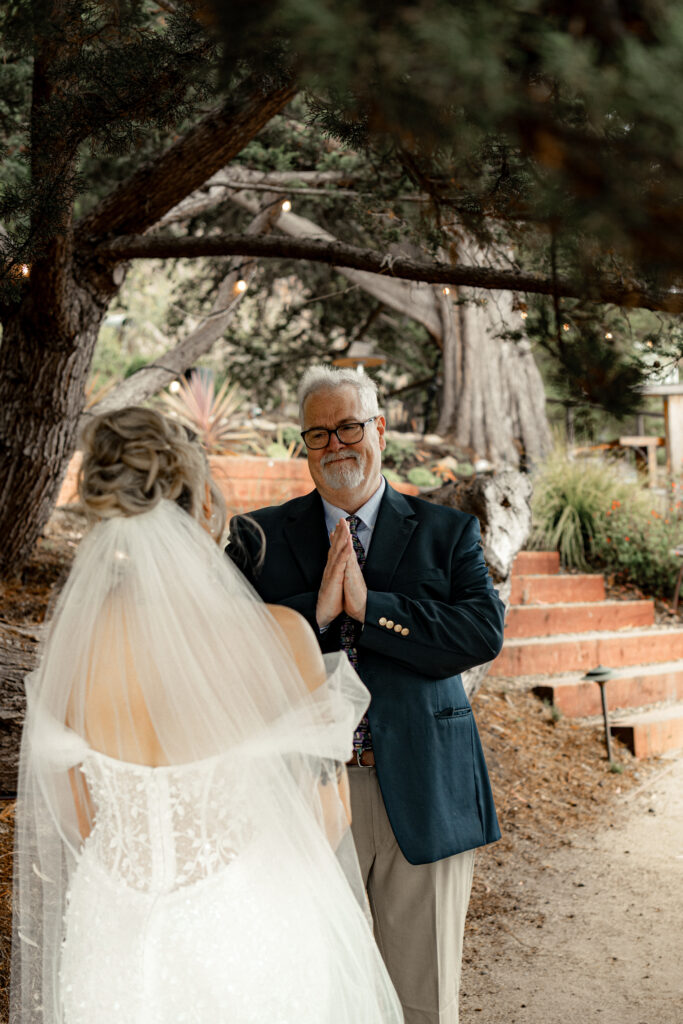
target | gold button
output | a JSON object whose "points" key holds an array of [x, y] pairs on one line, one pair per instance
{"points": [[398, 627], [383, 621], [389, 623], [405, 631]]}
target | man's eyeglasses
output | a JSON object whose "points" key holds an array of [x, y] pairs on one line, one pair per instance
{"points": [[347, 433]]}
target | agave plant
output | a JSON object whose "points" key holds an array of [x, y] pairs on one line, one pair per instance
{"points": [[212, 415]]}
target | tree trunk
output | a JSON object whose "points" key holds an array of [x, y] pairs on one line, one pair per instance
{"points": [[493, 399], [44, 364], [18, 655]]}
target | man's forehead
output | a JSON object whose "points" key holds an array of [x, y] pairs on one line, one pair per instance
{"points": [[330, 408]]}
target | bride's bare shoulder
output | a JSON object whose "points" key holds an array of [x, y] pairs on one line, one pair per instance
{"points": [[303, 643]]}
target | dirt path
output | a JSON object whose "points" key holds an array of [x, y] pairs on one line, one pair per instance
{"points": [[599, 936]]}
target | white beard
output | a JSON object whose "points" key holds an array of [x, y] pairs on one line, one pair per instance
{"points": [[344, 473]]}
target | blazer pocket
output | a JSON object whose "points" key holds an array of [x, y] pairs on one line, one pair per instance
{"points": [[449, 714], [433, 576]]}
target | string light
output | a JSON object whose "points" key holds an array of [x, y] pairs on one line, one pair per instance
{"points": [[447, 291], [523, 315], [241, 285], [565, 327], [174, 387], [25, 270], [609, 335], [286, 206]]}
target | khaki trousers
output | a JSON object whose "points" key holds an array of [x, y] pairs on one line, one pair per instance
{"points": [[418, 910]]}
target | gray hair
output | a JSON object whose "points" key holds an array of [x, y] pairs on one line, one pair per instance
{"points": [[330, 378]]}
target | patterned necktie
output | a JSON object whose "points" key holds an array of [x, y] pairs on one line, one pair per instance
{"points": [[350, 628]]}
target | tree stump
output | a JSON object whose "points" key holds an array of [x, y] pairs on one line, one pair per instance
{"points": [[501, 503]]}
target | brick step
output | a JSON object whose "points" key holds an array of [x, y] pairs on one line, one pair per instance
{"points": [[553, 589], [581, 651], [631, 687], [532, 562], [651, 732], [544, 620]]}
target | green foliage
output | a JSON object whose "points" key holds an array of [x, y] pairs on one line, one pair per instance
{"points": [[596, 519], [568, 503], [423, 477], [398, 453], [392, 476], [535, 113], [637, 546]]}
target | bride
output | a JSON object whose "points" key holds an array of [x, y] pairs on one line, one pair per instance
{"points": [[183, 851]]}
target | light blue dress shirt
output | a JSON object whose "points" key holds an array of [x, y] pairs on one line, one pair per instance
{"points": [[367, 514]]}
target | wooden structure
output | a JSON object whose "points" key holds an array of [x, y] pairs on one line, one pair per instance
{"points": [[650, 445], [672, 394]]}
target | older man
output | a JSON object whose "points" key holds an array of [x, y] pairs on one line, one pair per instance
{"points": [[401, 585]]}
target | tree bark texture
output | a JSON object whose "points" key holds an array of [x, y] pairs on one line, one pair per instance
{"points": [[502, 504], [45, 356], [18, 656], [493, 399]]}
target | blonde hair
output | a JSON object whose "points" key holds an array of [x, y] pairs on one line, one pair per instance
{"points": [[135, 457]]}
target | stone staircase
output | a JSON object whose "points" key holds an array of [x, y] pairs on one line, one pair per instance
{"points": [[560, 626]]}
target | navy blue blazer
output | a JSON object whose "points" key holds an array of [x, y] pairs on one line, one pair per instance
{"points": [[425, 571]]}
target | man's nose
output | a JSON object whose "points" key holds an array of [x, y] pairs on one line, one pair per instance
{"points": [[334, 444]]}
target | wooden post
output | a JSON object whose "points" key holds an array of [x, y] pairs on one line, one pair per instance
{"points": [[673, 412]]}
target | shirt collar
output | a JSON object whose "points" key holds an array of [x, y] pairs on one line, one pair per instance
{"points": [[367, 513]]}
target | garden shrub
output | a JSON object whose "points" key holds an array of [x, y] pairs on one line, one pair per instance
{"points": [[423, 477], [597, 520]]}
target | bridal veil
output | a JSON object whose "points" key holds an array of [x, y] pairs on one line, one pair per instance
{"points": [[188, 654]]}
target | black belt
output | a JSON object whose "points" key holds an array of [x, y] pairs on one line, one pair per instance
{"points": [[363, 758]]}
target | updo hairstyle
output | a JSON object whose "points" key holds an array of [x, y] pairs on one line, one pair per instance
{"points": [[135, 457]]}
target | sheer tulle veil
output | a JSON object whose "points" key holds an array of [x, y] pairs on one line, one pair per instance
{"points": [[192, 652]]}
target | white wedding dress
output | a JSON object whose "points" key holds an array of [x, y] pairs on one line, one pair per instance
{"points": [[222, 886], [178, 911]]}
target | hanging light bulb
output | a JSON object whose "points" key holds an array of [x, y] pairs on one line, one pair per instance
{"points": [[524, 315], [446, 291], [25, 270], [241, 285], [565, 327], [174, 387], [609, 335], [286, 206]]}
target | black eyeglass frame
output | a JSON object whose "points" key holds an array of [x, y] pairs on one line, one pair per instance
{"points": [[353, 423]]}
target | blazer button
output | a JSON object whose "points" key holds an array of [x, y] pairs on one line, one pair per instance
{"points": [[383, 621], [405, 631], [398, 627], [389, 623]]}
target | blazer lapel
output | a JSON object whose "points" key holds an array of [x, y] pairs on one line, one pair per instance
{"points": [[307, 537], [393, 529]]}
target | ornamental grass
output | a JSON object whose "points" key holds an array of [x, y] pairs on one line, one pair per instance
{"points": [[597, 520]]}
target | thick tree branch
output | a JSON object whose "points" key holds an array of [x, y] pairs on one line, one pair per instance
{"points": [[338, 254], [138, 203], [151, 379]]}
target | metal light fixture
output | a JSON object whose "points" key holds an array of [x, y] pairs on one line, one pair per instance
{"points": [[601, 676]]}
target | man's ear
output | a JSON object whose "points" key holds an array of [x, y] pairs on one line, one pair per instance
{"points": [[381, 424]]}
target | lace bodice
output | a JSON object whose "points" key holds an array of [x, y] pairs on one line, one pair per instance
{"points": [[157, 829]]}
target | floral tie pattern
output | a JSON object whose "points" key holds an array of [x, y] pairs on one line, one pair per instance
{"points": [[350, 628]]}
